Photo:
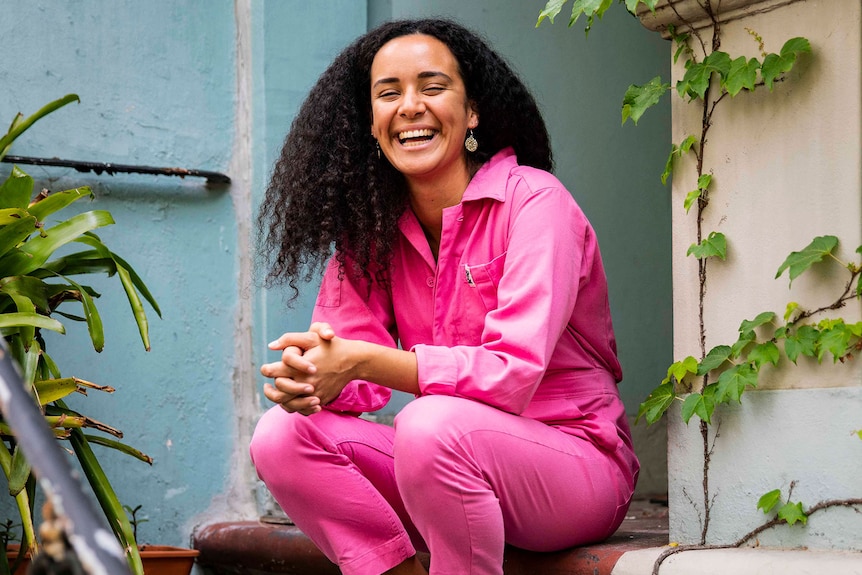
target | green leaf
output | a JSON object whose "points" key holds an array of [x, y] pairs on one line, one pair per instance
{"points": [[657, 403], [791, 307], [835, 340], [37, 250], [107, 498], [714, 245], [796, 46], [741, 343], [118, 446], [588, 8], [50, 390], [703, 181], [774, 65], [638, 98], [803, 342], [12, 235], [766, 352], [26, 286], [17, 190], [798, 262], [769, 500], [687, 144], [552, 8], [91, 314], [679, 369], [792, 512], [20, 472], [57, 201], [742, 74], [697, 404], [697, 77], [631, 5], [676, 152], [733, 382], [21, 126], [761, 319], [34, 319], [690, 199], [714, 359]]}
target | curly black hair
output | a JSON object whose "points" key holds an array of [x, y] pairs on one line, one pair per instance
{"points": [[330, 189]]}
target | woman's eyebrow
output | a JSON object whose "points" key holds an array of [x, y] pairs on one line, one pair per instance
{"points": [[429, 74]]}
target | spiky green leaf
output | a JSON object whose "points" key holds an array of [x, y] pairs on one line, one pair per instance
{"points": [[16, 190], [19, 127], [57, 201], [35, 252]]}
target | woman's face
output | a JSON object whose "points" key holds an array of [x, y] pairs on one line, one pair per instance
{"points": [[419, 110]]}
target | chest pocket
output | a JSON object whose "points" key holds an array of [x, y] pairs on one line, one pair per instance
{"points": [[485, 279]]}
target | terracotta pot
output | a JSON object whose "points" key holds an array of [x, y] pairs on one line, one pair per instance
{"points": [[157, 560]]}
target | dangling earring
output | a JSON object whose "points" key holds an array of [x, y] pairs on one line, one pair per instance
{"points": [[377, 143], [470, 143]]}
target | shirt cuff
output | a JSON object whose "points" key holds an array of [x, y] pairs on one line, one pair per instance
{"points": [[437, 369]]}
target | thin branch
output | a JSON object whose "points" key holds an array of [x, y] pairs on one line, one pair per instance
{"points": [[837, 304], [828, 504], [689, 24]]}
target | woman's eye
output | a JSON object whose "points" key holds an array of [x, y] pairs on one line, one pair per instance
{"points": [[388, 94], [434, 89]]}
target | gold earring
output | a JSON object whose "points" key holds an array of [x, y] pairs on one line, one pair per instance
{"points": [[470, 143], [377, 143]]}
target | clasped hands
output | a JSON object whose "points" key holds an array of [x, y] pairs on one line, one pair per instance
{"points": [[313, 369]]}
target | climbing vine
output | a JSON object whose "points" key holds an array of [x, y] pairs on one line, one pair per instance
{"points": [[723, 373]]}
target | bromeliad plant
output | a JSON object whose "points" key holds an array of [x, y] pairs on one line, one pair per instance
{"points": [[40, 252]]}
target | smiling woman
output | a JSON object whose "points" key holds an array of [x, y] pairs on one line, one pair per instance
{"points": [[463, 273]]}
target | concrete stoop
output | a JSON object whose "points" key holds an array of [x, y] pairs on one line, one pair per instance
{"points": [[744, 561], [260, 547]]}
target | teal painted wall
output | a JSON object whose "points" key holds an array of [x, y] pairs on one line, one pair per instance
{"points": [[157, 87], [612, 170], [162, 83]]}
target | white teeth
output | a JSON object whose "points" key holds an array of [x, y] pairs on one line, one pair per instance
{"points": [[415, 134]]}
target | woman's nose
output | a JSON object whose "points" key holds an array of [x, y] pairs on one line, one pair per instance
{"points": [[412, 104]]}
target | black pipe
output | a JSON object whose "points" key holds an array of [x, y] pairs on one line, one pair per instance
{"points": [[109, 168]]}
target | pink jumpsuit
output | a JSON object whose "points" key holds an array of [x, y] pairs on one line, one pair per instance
{"points": [[518, 435]]}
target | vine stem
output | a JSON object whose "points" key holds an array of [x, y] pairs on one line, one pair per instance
{"points": [[830, 503], [837, 304]]}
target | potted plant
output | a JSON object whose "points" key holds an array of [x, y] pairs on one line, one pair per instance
{"points": [[38, 258], [161, 559]]}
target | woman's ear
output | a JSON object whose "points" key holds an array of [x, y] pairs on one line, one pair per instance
{"points": [[473, 121]]}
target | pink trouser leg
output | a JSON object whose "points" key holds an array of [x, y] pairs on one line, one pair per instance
{"points": [[474, 478], [333, 475], [471, 477]]}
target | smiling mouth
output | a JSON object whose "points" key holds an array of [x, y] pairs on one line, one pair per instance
{"points": [[415, 137]]}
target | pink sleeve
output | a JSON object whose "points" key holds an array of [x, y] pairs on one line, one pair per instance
{"points": [[354, 313], [549, 247]]}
